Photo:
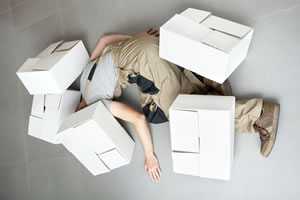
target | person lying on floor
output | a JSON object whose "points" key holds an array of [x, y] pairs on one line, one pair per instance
{"points": [[119, 60]]}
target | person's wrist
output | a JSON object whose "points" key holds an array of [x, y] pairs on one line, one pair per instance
{"points": [[149, 154]]}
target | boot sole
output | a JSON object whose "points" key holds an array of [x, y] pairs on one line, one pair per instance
{"points": [[275, 125]]}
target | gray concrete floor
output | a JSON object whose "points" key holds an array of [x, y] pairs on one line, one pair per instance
{"points": [[32, 169]]}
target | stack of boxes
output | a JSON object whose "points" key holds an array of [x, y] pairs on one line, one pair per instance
{"points": [[202, 127], [202, 135], [92, 135]]}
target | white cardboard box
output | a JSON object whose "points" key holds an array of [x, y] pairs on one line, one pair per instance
{"points": [[205, 44], [55, 68], [48, 112], [202, 135], [96, 139]]}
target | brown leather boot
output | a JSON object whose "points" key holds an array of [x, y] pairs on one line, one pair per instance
{"points": [[266, 126]]}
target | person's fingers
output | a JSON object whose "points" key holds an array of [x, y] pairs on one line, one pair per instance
{"points": [[157, 176], [158, 171], [151, 175], [149, 30], [154, 32]]}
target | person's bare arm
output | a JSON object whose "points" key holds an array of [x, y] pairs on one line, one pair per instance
{"points": [[106, 40], [125, 112]]}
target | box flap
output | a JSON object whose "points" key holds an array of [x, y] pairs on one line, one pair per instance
{"points": [[53, 101], [216, 144], [226, 26], [183, 26], [35, 126], [46, 52], [87, 158], [184, 130], [112, 159], [76, 119], [221, 41], [65, 46], [38, 106], [28, 65], [195, 14], [47, 63], [186, 163]]}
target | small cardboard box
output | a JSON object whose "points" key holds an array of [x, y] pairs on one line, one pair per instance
{"points": [[96, 139], [202, 135], [55, 68], [205, 44], [48, 111]]}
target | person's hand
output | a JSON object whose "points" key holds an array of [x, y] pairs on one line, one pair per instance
{"points": [[152, 167], [150, 32], [81, 105], [153, 32]]}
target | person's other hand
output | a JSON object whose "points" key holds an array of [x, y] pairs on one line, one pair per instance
{"points": [[150, 32], [81, 105], [153, 32], [152, 167]]}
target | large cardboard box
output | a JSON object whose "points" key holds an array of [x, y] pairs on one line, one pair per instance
{"points": [[55, 68], [96, 139], [202, 135], [205, 44], [48, 112]]}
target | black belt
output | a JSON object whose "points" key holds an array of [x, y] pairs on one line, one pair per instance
{"points": [[91, 74]]}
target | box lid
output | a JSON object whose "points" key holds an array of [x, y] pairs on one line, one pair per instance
{"points": [[195, 14], [196, 102], [221, 41], [48, 57], [226, 26], [182, 26]]}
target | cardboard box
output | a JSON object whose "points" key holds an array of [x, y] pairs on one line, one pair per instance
{"points": [[202, 135], [96, 139], [48, 112], [205, 44], [55, 68]]}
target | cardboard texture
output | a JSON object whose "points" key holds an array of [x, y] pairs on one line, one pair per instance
{"points": [[55, 68], [96, 139], [205, 44], [48, 112], [202, 135]]}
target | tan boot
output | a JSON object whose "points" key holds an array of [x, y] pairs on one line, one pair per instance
{"points": [[266, 125]]}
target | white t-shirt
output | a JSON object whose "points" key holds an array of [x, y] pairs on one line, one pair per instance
{"points": [[103, 82]]}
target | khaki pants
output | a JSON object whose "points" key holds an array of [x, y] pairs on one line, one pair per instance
{"points": [[246, 113], [140, 55]]}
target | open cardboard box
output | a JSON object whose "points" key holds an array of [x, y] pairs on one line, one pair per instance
{"points": [[96, 139], [55, 68], [205, 44], [48, 112], [202, 135]]}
